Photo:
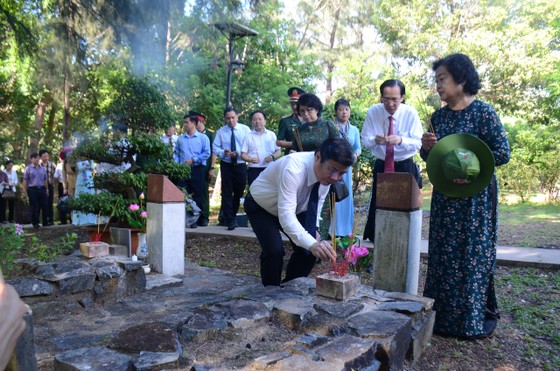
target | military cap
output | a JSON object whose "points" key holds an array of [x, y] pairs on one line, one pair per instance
{"points": [[294, 93], [200, 116]]}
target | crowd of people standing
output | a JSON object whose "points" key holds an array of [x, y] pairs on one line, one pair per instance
{"points": [[288, 193]]}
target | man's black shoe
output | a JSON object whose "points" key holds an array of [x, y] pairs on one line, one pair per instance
{"points": [[202, 223], [193, 226], [36, 226], [231, 227]]}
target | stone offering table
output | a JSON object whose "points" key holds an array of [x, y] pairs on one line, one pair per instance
{"points": [[398, 233]]}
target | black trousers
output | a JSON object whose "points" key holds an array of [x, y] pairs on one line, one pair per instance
{"points": [[205, 206], [10, 204], [253, 173], [61, 214], [234, 180], [405, 166], [196, 184], [50, 201], [38, 203], [267, 228]]}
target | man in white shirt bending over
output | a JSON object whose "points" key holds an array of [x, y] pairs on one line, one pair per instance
{"points": [[392, 132], [259, 148], [286, 197]]}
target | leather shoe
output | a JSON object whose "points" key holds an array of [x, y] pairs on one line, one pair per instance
{"points": [[193, 226], [36, 226], [231, 227], [202, 223]]}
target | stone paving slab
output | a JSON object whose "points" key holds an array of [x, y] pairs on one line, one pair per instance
{"points": [[217, 308], [506, 255]]}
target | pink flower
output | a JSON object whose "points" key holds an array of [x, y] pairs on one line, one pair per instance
{"points": [[144, 214], [134, 207]]}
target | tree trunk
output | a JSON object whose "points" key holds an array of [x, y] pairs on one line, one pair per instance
{"points": [[38, 126]]}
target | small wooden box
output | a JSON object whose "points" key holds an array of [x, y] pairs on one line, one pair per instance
{"points": [[94, 249], [339, 288]]}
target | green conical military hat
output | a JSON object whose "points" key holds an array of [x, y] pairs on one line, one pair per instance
{"points": [[460, 165]]}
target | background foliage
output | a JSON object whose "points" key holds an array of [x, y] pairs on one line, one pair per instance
{"points": [[70, 68]]}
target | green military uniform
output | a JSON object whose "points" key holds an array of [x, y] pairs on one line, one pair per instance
{"points": [[290, 122], [287, 126]]}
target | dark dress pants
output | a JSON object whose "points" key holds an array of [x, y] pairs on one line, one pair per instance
{"points": [[195, 184], [205, 206], [267, 229], [405, 166], [234, 179], [253, 173], [38, 203], [61, 214], [2, 210], [50, 201]]}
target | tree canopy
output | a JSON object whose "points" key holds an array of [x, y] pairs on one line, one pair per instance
{"points": [[60, 61]]}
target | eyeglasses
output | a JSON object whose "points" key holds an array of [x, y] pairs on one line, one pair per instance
{"points": [[334, 171], [390, 100]]}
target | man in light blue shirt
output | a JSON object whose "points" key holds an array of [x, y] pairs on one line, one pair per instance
{"points": [[193, 149], [227, 146]]}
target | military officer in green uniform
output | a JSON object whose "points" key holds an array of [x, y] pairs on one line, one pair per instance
{"points": [[205, 207], [288, 123]]}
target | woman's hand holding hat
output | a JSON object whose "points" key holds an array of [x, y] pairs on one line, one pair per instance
{"points": [[428, 141]]}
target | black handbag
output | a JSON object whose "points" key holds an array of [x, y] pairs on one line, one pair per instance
{"points": [[8, 194], [340, 190], [63, 205]]}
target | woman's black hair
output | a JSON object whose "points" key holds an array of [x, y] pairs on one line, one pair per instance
{"points": [[341, 102], [462, 70], [310, 100]]}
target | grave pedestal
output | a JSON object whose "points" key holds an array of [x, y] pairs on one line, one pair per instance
{"points": [[398, 233], [340, 288], [94, 249], [165, 226]]}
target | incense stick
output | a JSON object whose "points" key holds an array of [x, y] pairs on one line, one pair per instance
{"points": [[298, 139], [428, 117]]}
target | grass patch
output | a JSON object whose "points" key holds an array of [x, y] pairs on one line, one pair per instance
{"points": [[531, 298]]}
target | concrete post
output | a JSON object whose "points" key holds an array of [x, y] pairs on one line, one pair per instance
{"points": [[398, 233], [166, 226]]}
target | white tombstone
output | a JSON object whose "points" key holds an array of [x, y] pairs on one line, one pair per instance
{"points": [[165, 226], [398, 233]]}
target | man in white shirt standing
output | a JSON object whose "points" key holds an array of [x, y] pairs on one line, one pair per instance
{"points": [[287, 197], [227, 146], [259, 148], [392, 132], [170, 137]]}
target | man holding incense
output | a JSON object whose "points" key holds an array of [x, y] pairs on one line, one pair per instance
{"points": [[392, 132], [285, 198]]}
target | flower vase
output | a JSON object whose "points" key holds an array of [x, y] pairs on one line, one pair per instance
{"points": [[358, 274], [134, 241], [142, 245]]}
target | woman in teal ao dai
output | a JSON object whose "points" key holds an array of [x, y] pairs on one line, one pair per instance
{"points": [[345, 208], [463, 231]]}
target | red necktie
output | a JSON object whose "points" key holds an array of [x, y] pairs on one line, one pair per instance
{"points": [[390, 151]]}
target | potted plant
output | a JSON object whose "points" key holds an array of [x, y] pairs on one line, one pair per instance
{"points": [[356, 257]]}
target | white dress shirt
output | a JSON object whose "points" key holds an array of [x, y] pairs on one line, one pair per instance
{"points": [[260, 145], [165, 139], [12, 180], [283, 189], [222, 141], [58, 172], [406, 124]]}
